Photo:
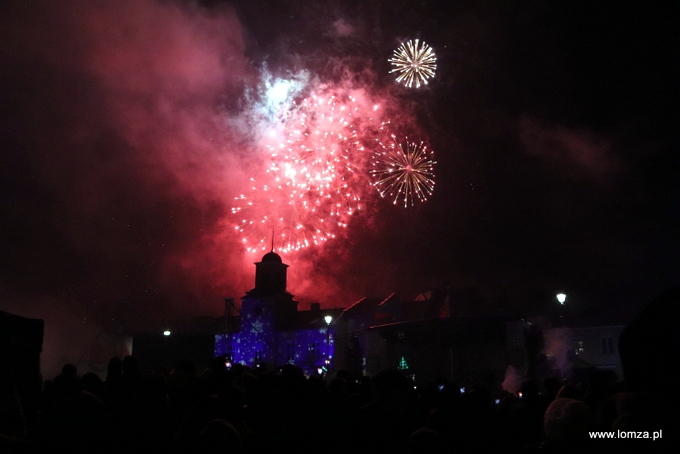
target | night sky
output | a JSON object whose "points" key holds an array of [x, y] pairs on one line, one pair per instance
{"points": [[127, 132]]}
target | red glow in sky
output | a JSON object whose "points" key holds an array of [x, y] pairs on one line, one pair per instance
{"points": [[132, 131], [315, 173]]}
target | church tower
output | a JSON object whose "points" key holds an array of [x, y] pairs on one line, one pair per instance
{"points": [[272, 332], [270, 276], [266, 310]]}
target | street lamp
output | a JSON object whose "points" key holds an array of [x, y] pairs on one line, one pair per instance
{"points": [[328, 320], [166, 347], [561, 298]]}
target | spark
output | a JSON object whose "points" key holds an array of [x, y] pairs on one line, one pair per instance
{"points": [[313, 182], [415, 62], [403, 171]]}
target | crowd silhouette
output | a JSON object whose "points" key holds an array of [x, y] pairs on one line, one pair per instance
{"points": [[244, 410]]}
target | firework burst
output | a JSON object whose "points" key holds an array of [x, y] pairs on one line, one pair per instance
{"points": [[403, 172], [313, 184], [415, 62]]}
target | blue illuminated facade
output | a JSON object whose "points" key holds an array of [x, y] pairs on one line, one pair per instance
{"points": [[270, 331]]}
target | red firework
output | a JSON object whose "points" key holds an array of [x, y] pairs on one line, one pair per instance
{"points": [[314, 181]]}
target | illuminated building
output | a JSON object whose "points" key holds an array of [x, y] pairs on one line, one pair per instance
{"points": [[269, 331]]}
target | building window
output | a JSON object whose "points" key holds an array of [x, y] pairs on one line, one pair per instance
{"points": [[258, 356], [579, 348], [291, 352], [314, 348], [607, 345]]}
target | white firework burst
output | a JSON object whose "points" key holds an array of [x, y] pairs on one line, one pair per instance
{"points": [[415, 62]]}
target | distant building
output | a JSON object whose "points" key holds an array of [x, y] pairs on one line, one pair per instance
{"points": [[270, 331], [441, 336], [595, 345], [423, 340], [579, 339], [599, 346]]}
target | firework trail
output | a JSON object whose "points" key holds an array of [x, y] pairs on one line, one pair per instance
{"points": [[403, 171], [415, 62]]}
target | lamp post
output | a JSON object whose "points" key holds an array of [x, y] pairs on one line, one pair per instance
{"points": [[166, 347], [562, 310], [328, 320]]}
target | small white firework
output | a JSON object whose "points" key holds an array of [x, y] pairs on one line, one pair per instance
{"points": [[415, 62]]}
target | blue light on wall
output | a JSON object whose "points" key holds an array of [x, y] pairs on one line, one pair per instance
{"points": [[306, 348], [268, 316]]}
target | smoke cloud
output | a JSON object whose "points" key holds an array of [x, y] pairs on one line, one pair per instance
{"points": [[119, 123], [512, 381], [557, 348], [578, 153], [130, 130]]}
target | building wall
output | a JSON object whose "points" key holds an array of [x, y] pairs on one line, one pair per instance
{"points": [[158, 352], [599, 346], [375, 353], [311, 348], [308, 349], [596, 346], [466, 350]]}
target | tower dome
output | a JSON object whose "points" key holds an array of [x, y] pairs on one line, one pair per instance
{"points": [[271, 257], [270, 276]]}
